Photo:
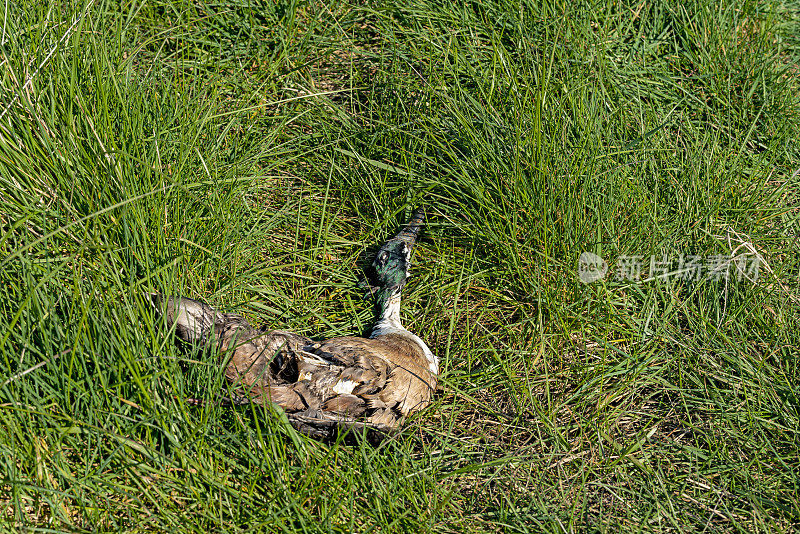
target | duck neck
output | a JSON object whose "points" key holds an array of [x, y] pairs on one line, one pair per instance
{"points": [[387, 308], [387, 305]]}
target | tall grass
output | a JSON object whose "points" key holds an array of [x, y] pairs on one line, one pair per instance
{"points": [[253, 154]]}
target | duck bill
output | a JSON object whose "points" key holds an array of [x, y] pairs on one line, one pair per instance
{"points": [[410, 233]]}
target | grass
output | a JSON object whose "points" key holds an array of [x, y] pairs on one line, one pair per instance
{"points": [[254, 154]]}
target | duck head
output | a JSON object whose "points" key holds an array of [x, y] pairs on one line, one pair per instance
{"points": [[392, 264]]}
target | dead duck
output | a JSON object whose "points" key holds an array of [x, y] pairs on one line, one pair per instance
{"points": [[323, 386]]}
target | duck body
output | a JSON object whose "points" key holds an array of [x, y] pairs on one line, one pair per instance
{"points": [[349, 381]]}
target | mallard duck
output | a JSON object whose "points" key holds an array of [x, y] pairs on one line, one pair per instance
{"points": [[343, 382]]}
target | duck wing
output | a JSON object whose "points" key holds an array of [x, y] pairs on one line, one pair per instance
{"points": [[350, 382], [380, 380]]}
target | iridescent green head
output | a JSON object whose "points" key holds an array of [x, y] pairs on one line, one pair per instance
{"points": [[392, 264]]}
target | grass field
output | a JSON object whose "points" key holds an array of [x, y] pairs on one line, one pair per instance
{"points": [[253, 154]]}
